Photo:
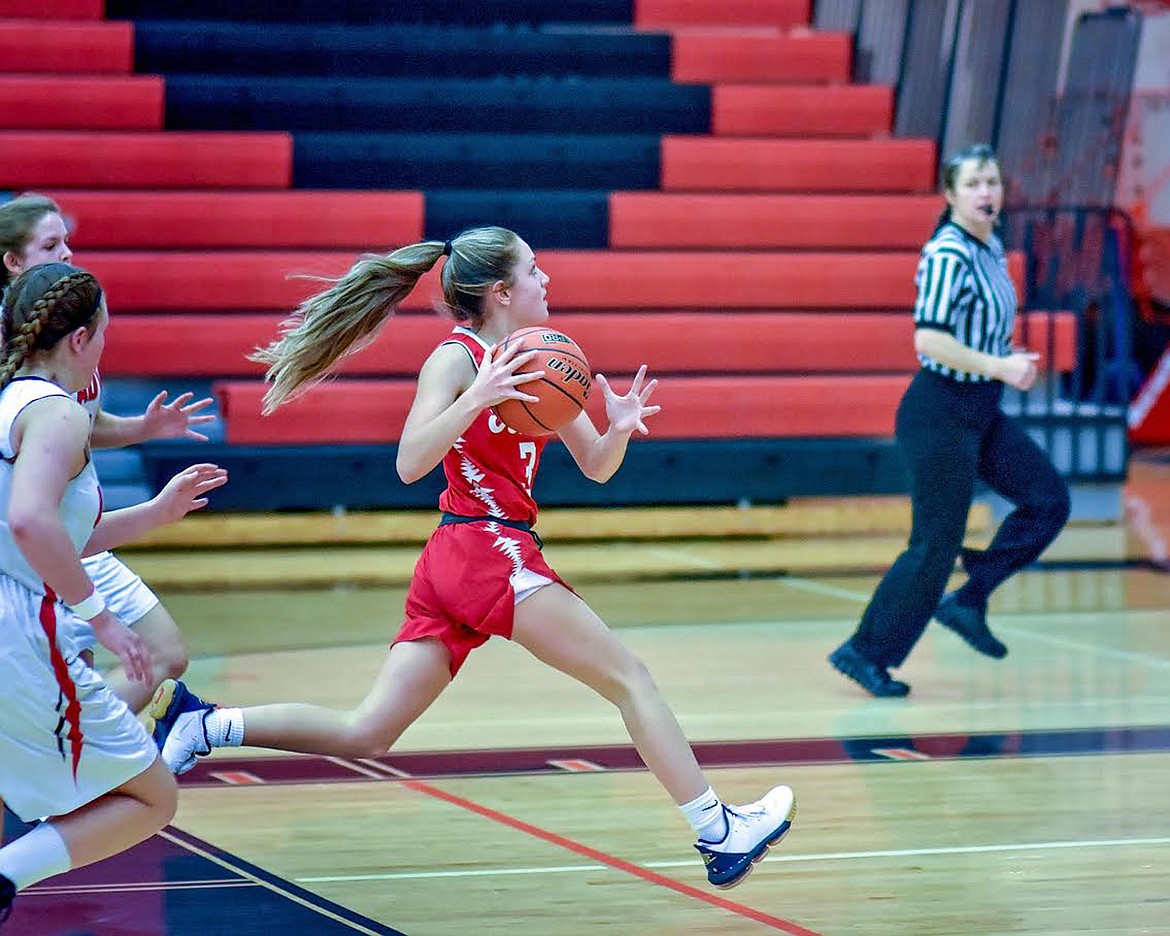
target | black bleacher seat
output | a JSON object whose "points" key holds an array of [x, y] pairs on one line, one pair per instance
{"points": [[549, 218], [398, 50], [518, 106], [481, 160], [479, 13]]}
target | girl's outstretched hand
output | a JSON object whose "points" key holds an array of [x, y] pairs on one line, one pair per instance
{"points": [[188, 490], [177, 419], [627, 413]]}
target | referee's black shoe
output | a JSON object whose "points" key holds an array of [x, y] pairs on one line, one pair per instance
{"points": [[7, 895], [872, 677], [970, 624]]}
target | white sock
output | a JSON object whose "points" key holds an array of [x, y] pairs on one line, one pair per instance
{"points": [[225, 727], [34, 856], [705, 814]]}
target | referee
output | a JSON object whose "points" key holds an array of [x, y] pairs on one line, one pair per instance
{"points": [[951, 430]]}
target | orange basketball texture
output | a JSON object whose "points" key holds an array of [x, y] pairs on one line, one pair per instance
{"points": [[563, 390]]}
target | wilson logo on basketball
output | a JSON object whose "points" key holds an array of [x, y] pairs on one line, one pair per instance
{"points": [[570, 374]]}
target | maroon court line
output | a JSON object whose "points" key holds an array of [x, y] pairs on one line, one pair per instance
{"points": [[611, 861]]}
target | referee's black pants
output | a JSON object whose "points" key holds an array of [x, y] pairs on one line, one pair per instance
{"points": [[950, 434]]}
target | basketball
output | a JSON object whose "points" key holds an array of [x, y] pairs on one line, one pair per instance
{"points": [[563, 390]]}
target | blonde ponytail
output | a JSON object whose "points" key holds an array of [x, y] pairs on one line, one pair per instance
{"points": [[328, 325], [341, 319]]}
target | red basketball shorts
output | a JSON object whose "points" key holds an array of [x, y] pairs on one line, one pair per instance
{"points": [[462, 590]]}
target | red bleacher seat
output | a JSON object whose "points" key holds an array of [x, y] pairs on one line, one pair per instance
{"points": [[218, 219], [138, 281], [79, 48], [692, 163], [373, 411], [836, 222], [216, 345], [338, 412], [721, 55], [774, 14], [601, 280], [615, 343], [90, 102], [54, 9], [728, 280], [211, 280], [48, 158], [787, 111]]}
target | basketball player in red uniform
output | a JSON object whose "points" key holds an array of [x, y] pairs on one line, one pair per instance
{"points": [[481, 572]]}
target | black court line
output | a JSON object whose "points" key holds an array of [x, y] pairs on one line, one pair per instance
{"points": [[777, 752], [174, 883]]}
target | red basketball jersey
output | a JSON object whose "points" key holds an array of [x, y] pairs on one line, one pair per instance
{"points": [[490, 468]]}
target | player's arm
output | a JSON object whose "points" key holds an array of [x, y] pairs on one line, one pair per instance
{"points": [[451, 392], [161, 420], [600, 455], [51, 452]]}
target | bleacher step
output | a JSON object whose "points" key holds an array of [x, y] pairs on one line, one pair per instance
{"points": [[836, 516], [579, 563]]}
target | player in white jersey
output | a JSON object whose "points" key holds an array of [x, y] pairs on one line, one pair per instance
{"points": [[33, 231], [69, 748]]}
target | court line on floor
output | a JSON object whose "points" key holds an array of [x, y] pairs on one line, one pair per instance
{"points": [[820, 588], [252, 873], [814, 856], [1129, 656], [602, 858]]}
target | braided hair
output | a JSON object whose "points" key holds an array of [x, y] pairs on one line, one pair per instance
{"points": [[43, 305]]}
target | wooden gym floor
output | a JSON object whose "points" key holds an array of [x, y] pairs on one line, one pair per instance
{"points": [[1015, 796]]}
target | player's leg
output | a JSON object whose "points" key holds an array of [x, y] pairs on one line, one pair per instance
{"points": [[123, 817], [413, 675], [132, 601], [560, 629], [168, 657], [105, 826]]}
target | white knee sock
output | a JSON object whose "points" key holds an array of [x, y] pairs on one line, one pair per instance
{"points": [[34, 856], [705, 814]]}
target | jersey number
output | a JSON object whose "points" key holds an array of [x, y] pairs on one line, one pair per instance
{"points": [[528, 456]]}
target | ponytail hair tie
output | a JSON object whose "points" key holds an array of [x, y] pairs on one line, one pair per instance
{"points": [[446, 248]]}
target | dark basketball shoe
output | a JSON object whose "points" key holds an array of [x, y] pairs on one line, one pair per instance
{"points": [[872, 677], [970, 624], [7, 896]]}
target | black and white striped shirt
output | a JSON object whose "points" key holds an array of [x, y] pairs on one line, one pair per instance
{"points": [[964, 289]]}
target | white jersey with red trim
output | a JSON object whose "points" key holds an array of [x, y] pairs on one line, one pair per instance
{"points": [[80, 505], [490, 468]]}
